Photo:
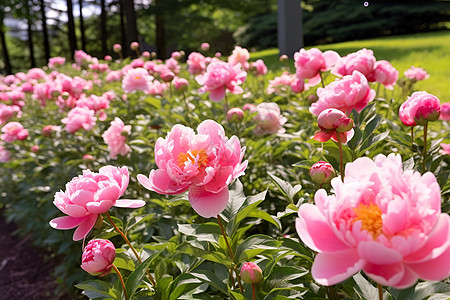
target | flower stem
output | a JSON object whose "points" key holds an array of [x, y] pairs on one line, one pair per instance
{"points": [[253, 291], [121, 281], [341, 161], [187, 109], [412, 135], [321, 79], [226, 107], [231, 255], [380, 291], [150, 277], [424, 154]]}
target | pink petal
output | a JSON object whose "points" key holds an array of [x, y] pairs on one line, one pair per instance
{"points": [[332, 268], [84, 228], [323, 136], [378, 254], [315, 80], [220, 179], [129, 203], [81, 197], [438, 242], [331, 58], [75, 211], [388, 275], [111, 193], [435, 269], [66, 222], [217, 94], [208, 204], [409, 278], [315, 232], [99, 207], [160, 182]]}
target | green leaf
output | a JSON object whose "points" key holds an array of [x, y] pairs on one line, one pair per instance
{"points": [[355, 140], [423, 290], [290, 209], [137, 220], [265, 216], [210, 278], [98, 289], [256, 245], [184, 283], [371, 126], [281, 277], [285, 187], [124, 261], [203, 232], [364, 288], [136, 277], [236, 199], [213, 256]]}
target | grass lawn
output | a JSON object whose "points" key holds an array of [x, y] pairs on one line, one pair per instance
{"points": [[430, 51]]}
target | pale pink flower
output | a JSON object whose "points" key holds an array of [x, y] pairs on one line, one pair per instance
{"points": [[239, 56], [445, 149], [259, 67], [219, 78], [95, 103], [445, 111], [173, 65], [54, 62], [8, 111], [79, 118], [350, 92], [36, 73], [385, 74], [11, 79], [136, 80], [180, 84], [176, 55], [137, 63], [5, 156], [416, 74], [309, 64], [44, 91], [98, 67], [382, 220], [81, 57], [98, 257], [116, 136], [157, 88], [196, 63], [321, 172], [280, 84], [269, 119], [13, 131], [204, 163], [90, 195], [419, 108], [363, 61], [113, 76]]}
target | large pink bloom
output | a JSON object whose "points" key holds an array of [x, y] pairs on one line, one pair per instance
{"points": [[116, 136], [381, 220], [416, 74], [385, 74], [136, 80], [309, 64], [220, 77], [350, 92], [203, 163], [89, 195], [239, 56], [418, 107], [269, 119], [79, 117], [13, 131], [362, 61], [196, 63]]}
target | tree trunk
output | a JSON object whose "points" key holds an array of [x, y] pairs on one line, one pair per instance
{"points": [[45, 31], [30, 35], [160, 33], [122, 32], [83, 38], [131, 28], [103, 31], [8, 67], [71, 27]]}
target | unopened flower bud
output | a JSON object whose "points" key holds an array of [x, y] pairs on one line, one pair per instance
{"points": [[117, 48], [87, 158], [205, 46], [146, 54], [251, 273], [35, 148], [134, 46], [235, 115], [321, 172], [98, 257], [312, 99], [334, 119], [47, 130], [425, 114], [284, 58], [180, 84]]}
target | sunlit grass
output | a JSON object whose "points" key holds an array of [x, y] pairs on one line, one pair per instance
{"points": [[430, 51]]}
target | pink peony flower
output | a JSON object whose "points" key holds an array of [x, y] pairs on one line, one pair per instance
{"points": [[8, 111], [5, 156], [54, 62], [180, 84], [136, 80], [196, 63], [445, 149], [173, 65], [280, 83], [204, 163], [98, 257], [79, 118], [298, 86], [259, 67], [108, 58], [137, 63], [175, 55], [268, 119], [251, 273], [113, 76], [416, 74], [204, 46], [220, 77], [309, 64], [445, 111], [419, 108], [13, 131], [363, 61], [116, 136], [239, 56], [36, 73], [235, 115], [134, 46], [333, 122], [350, 92], [381, 220], [385, 74], [117, 48], [89, 195], [321, 172]]}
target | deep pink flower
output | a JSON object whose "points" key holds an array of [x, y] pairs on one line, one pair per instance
{"points": [[269, 119], [363, 61], [204, 163], [381, 220], [136, 80], [298, 86], [385, 74], [321, 172], [350, 92], [309, 64], [416, 74], [219, 78], [116, 136], [420, 108], [239, 56], [98, 257], [333, 122], [79, 118], [259, 67], [13, 131], [196, 63], [89, 195], [251, 273], [95, 103], [445, 111]]}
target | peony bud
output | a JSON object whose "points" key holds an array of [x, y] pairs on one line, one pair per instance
{"points": [[134, 46], [205, 46], [251, 273], [98, 257], [312, 99], [167, 76], [146, 54], [108, 58], [284, 58], [321, 172], [249, 107], [235, 115], [117, 48], [34, 148], [87, 158], [47, 130], [334, 119], [425, 114], [180, 84], [445, 111]]}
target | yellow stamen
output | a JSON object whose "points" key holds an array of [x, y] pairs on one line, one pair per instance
{"points": [[191, 156], [370, 216]]}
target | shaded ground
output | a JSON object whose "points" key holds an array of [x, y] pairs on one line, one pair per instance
{"points": [[24, 272]]}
